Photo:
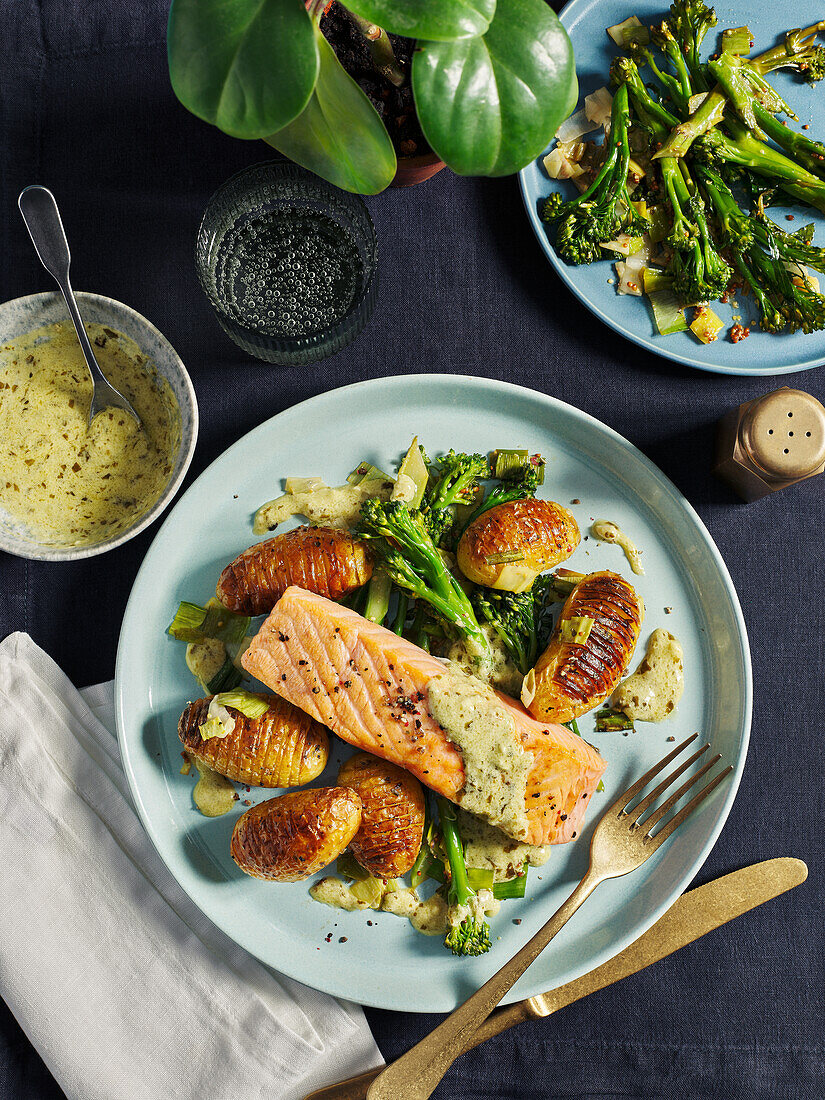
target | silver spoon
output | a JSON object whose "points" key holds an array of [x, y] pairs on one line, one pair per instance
{"points": [[39, 209]]}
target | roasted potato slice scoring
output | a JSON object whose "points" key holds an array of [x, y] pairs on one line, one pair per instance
{"points": [[323, 560], [392, 818], [282, 748], [509, 545], [571, 678], [287, 839]]}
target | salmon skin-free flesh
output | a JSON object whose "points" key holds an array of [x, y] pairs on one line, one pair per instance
{"points": [[369, 686]]}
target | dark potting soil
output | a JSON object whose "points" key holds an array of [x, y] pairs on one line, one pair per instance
{"points": [[395, 105]]}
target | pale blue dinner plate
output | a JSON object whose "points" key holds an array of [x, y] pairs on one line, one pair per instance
{"points": [[386, 963], [761, 353]]}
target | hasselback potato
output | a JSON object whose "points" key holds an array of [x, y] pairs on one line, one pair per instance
{"points": [[323, 560], [537, 533], [571, 678], [282, 748], [289, 838], [392, 816]]}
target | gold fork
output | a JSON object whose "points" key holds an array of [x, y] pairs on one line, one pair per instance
{"points": [[622, 841]]}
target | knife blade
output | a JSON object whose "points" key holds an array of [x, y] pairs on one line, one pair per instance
{"points": [[696, 913]]}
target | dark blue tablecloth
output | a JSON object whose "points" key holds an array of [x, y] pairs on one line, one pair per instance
{"points": [[86, 108]]}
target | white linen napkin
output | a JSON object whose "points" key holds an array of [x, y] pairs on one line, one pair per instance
{"points": [[124, 987]]}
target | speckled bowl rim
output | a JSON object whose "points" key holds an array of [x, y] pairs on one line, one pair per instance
{"points": [[189, 433]]}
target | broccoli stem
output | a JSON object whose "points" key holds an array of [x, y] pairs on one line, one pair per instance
{"points": [[379, 590], [796, 51], [807, 152], [401, 613], [740, 147], [472, 935]]}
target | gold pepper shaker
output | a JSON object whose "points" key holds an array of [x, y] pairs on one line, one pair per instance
{"points": [[771, 442]]}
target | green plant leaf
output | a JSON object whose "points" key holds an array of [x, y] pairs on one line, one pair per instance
{"points": [[489, 105], [247, 66], [437, 20], [339, 134]]}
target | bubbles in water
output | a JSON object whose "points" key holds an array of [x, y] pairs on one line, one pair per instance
{"points": [[289, 273]]}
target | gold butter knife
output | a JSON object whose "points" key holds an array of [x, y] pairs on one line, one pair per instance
{"points": [[695, 913]]}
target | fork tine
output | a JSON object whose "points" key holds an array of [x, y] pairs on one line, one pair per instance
{"points": [[691, 781], [684, 813], [649, 799], [628, 796]]}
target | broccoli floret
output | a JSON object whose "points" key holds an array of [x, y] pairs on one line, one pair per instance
{"points": [[456, 482], [690, 21], [518, 618], [402, 543], [798, 51], [604, 209], [471, 936]]}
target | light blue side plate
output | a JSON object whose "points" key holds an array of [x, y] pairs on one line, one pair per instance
{"points": [[761, 353], [388, 964]]}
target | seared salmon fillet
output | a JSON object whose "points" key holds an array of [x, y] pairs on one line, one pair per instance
{"points": [[370, 687], [321, 559]]}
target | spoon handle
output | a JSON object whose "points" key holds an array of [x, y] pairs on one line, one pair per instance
{"points": [[42, 217]]}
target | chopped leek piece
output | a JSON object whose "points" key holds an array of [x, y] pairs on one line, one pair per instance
{"points": [[576, 630], [226, 679], [480, 878], [504, 557], [365, 471], [304, 484], [414, 466], [193, 623], [248, 703], [220, 723], [369, 891], [564, 581], [509, 462], [737, 40], [609, 719], [706, 325], [630, 30], [348, 866], [511, 887], [624, 244], [659, 225], [668, 310]]}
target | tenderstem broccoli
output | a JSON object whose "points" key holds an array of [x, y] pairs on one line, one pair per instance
{"points": [[740, 147], [402, 543], [471, 934], [700, 273], [455, 482], [518, 619], [760, 250], [605, 209]]}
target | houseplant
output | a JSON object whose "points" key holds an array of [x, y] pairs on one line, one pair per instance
{"points": [[492, 80]]}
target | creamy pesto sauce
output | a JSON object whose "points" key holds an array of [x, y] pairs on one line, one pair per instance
{"points": [[213, 795], [496, 669], [496, 765], [334, 507], [608, 531], [334, 891], [67, 485], [205, 659], [428, 917], [655, 688], [489, 848]]}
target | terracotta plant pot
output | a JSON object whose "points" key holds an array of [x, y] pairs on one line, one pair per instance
{"points": [[412, 170]]}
